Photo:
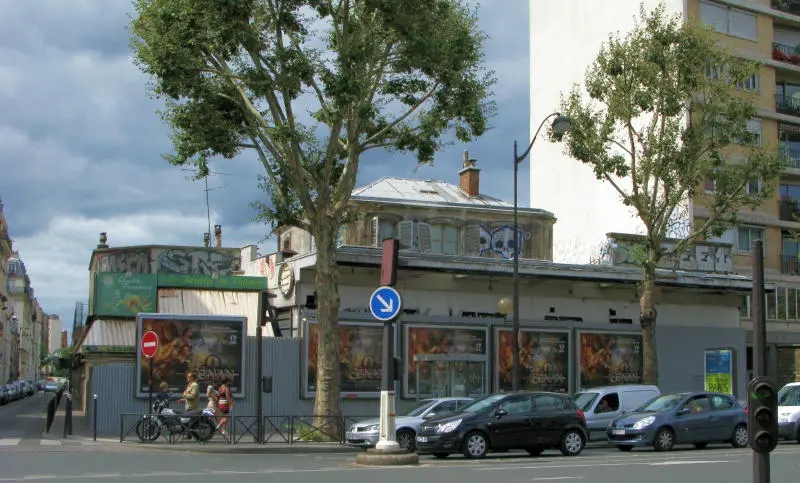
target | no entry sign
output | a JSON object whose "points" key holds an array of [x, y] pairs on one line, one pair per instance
{"points": [[149, 344]]}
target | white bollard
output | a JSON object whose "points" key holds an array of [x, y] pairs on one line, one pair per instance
{"points": [[387, 439]]}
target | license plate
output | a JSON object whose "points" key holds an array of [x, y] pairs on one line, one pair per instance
{"points": [[422, 439], [618, 432]]}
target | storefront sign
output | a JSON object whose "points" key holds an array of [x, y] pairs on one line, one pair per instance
{"points": [[209, 346], [176, 280], [119, 294], [360, 358], [543, 356], [608, 359], [718, 370], [457, 361]]}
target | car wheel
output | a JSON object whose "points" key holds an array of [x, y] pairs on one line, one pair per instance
{"points": [[441, 456], [700, 445], [475, 445], [534, 451], [405, 438], [741, 438], [664, 440], [625, 448], [572, 443]]}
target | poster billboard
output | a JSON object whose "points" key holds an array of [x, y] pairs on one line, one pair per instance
{"points": [[209, 346], [464, 369], [609, 359], [718, 370], [543, 357], [360, 359], [120, 294]]}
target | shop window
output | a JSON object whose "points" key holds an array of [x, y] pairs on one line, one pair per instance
{"points": [[609, 404]]}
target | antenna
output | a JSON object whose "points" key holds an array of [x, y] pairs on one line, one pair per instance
{"points": [[207, 189]]}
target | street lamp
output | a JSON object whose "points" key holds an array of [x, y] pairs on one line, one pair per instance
{"points": [[561, 124]]}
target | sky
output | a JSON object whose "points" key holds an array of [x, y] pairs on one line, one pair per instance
{"points": [[81, 144]]}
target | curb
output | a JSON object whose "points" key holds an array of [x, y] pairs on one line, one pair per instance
{"points": [[241, 449]]}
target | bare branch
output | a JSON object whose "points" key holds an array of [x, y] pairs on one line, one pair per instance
{"points": [[378, 135]]}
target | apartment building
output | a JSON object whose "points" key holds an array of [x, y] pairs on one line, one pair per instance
{"points": [[767, 31], [54, 334], [8, 330], [28, 315]]}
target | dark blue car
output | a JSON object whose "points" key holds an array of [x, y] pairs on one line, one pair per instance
{"points": [[696, 418]]}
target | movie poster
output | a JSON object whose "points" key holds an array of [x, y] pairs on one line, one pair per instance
{"points": [[543, 357], [465, 377], [610, 359], [360, 358], [210, 346]]}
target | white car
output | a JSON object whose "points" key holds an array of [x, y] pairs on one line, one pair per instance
{"points": [[366, 433], [789, 411]]}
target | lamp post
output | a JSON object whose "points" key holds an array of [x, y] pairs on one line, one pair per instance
{"points": [[560, 126]]}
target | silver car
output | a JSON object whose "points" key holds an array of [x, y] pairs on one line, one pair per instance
{"points": [[367, 432]]}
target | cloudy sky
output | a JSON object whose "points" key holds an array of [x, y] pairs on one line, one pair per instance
{"points": [[81, 145]]}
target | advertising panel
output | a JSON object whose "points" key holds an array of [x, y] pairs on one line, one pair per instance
{"points": [[543, 358], [461, 371], [360, 358], [608, 359], [209, 346], [120, 294], [718, 373]]}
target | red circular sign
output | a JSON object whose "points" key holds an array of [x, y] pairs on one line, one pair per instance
{"points": [[149, 344]]}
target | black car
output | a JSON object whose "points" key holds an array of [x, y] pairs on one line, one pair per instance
{"points": [[533, 421]]}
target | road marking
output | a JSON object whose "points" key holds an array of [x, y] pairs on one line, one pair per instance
{"points": [[664, 463], [49, 442], [558, 478], [568, 465], [9, 441]]}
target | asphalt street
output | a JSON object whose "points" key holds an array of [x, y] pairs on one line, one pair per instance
{"points": [[24, 419], [118, 464]]}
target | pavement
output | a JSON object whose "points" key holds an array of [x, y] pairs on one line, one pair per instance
{"points": [[715, 464]]}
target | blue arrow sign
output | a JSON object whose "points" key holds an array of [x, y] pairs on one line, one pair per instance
{"points": [[385, 303]]}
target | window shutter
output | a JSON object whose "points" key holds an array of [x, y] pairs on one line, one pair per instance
{"points": [[424, 232], [406, 232], [373, 234], [472, 240]]}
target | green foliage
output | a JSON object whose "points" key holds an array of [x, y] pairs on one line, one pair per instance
{"points": [[629, 123], [308, 86]]}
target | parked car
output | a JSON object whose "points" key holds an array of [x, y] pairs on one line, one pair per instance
{"points": [[696, 418], [533, 421], [601, 405], [12, 391], [789, 411], [366, 433], [51, 386], [3, 395]]}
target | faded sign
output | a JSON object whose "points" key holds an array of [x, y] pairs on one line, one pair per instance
{"points": [[198, 261], [135, 260], [222, 282], [119, 294], [698, 258]]}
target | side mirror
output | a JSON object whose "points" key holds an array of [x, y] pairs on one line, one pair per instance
{"points": [[500, 413], [682, 411], [429, 416]]}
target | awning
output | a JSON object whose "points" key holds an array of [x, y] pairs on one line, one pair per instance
{"points": [[110, 336]]}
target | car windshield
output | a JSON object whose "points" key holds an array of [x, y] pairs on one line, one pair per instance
{"points": [[584, 400], [789, 396], [482, 404], [661, 403], [420, 407]]}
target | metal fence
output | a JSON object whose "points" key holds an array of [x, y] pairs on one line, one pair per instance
{"points": [[243, 429]]}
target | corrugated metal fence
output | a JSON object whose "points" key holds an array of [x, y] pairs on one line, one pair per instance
{"points": [[114, 385]]}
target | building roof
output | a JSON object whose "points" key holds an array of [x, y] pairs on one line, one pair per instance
{"points": [[431, 192]]}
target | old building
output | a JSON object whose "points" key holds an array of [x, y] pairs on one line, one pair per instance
{"points": [[8, 332], [28, 314]]}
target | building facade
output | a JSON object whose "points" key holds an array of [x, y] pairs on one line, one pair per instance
{"points": [[766, 31], [9, 334], [54, 329], [29, 316]]}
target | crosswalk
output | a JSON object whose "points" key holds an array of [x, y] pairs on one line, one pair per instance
{"points": [[6, 442]]}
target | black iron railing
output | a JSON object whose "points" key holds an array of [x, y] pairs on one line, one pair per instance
{"points": [[788, 6], [790, 264]]}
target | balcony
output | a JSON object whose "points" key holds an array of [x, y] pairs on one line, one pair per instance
{"points": [[787, 105], [790, 264], [785, 53], [789, 210], [792, 156], [788, 6]]}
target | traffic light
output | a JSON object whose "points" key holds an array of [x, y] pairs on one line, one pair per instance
{"points": [[762, 409]]}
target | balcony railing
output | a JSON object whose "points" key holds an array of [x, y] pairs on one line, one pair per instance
{"points": [[792, 156], [789, 210], [790, 264], [785, 53], [788, 6], [787, 105]]}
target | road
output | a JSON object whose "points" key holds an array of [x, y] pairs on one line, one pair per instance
{"points": [[120, 464], [23, 419]]}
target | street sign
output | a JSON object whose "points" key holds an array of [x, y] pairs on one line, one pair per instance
{"points": [[385, 303], [149, 344]]}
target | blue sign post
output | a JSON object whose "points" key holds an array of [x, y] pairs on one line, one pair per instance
{"points": [[385, 304]]}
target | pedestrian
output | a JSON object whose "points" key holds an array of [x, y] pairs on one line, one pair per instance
{"points": [[191, 395], [224, 403], [163, 393]]}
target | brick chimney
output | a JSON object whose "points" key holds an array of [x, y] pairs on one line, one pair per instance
{"points": [[470, 176]]}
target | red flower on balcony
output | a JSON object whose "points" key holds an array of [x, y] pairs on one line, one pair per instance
{"points": [[778, 54]]}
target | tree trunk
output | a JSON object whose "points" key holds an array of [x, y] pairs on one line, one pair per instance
{"points": [[327, 404], [647, 318]]}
